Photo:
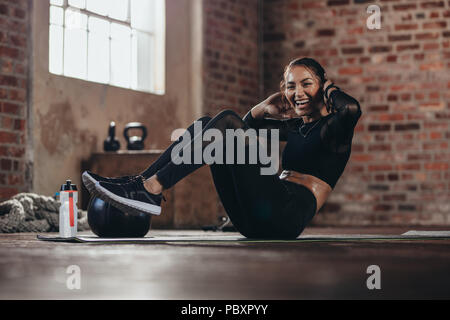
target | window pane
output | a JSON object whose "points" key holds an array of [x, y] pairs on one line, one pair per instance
{"points": [[98, 6], [57, 2], [143, 58], [78, 3], [75, 19], [56, 49], [141, 13], [98, 50], [120, 55], [98, 58], [120, 31], [118, 9], [75, 45], [99, 26], [56, 15]]}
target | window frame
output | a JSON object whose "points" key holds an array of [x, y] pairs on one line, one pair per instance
{"points": [[158, 39]]}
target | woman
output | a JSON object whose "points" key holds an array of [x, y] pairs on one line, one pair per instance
{"points": [[316, 119]]}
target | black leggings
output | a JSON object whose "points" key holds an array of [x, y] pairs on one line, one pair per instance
{"points": [[260, 206]]}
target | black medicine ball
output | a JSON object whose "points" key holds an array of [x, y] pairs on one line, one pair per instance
{"points": [[106, 221]]}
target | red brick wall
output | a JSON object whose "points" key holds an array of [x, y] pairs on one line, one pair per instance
{"points": [[399, 169], [14, 24], [231, 64], [231, 55]]}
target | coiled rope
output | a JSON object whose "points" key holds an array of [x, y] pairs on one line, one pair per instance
{"points": [[30, 212]]}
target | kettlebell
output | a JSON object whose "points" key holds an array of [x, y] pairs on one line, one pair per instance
{"points": [[111, 143], [135, 142]]}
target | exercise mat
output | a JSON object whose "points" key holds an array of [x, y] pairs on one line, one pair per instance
{"points": [[207, 238]]}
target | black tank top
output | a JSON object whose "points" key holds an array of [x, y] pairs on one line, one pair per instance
{"points": [[320, 148]]}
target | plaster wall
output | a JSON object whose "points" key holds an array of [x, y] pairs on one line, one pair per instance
{"points": [[70, 117]]}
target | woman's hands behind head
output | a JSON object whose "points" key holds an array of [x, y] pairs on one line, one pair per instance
{"points": [[277, 106], [327, 83]]}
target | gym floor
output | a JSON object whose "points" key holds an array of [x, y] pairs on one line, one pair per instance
{"points": [[33, 269]]}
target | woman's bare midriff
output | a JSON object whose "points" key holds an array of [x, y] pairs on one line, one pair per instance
{"points": [[318, 187]]}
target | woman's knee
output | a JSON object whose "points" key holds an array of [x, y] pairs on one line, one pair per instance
{"points": [[204, 119], [228, 119], [228, 113]]}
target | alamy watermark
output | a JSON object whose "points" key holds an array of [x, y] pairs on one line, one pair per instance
{"points": [[374, 20], [73, 281], [247, 143], [374, 281], [70, 276]]}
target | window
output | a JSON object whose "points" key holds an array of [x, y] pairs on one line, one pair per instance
{"points": [[116, 42]]}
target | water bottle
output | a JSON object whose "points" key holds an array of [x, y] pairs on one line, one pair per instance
{"points": [[68, 196]]}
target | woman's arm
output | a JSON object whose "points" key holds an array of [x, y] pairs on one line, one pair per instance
{"points": [[262, 123], [346, 108], [338, 131], [269, 114]]}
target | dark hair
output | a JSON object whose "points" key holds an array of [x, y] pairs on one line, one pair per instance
{"points": [[308, 63]]}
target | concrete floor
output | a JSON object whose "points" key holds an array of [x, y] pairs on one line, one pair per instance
{"points": [[32, 269]]}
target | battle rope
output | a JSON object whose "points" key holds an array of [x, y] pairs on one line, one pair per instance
{"points": [[29, 212]]}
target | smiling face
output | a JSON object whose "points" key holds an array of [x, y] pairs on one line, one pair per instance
{"points": [[304, 91]]}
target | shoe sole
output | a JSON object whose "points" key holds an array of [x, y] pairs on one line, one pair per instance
{"points": [[89, 183], [125, 204]]}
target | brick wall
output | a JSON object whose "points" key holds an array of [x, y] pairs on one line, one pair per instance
{"points": [[231, 64], [231, 55], [14, 24], [399, 169]]}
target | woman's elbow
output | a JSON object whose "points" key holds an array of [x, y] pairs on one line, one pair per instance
{"points": [[354, 109]]}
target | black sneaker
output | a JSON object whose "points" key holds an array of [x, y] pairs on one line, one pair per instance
{"points": [[90, 178], [130, 197]]}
